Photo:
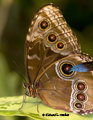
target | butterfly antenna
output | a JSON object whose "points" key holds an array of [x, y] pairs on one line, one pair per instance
{"points": [[19, 70]]}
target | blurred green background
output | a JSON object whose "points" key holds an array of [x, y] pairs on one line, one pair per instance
{"points": [[15, 18]]}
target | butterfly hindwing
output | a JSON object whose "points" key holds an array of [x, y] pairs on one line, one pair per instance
{"points": [[70, 92]]}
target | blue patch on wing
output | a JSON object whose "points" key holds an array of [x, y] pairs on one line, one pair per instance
{"points": [[79, 68]]}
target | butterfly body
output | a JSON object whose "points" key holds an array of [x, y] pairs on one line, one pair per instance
{"points": [[51, 50]]}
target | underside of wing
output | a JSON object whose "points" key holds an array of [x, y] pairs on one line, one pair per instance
{"points": [[49, 38], [68, 91]]}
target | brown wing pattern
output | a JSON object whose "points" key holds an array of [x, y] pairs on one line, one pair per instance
{"points": [[49, 38], [62, 91], [51, 49]]}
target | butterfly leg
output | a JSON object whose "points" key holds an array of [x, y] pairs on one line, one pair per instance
{"points": [[37, 105], [24, 98]]}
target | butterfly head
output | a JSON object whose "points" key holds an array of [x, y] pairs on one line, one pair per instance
{"points": [[30, 89]]}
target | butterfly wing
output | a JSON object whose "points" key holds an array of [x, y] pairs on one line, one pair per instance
{"points": [[71, 92], [83, 67], [49, 38]]}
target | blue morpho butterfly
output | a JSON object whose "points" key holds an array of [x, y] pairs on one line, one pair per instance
{"points": [[51, 50]]}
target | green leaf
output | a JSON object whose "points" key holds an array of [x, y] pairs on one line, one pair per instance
{"points": [[9, 107]]}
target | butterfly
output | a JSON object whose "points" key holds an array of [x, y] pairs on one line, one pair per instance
{"points": [[52, 58]]}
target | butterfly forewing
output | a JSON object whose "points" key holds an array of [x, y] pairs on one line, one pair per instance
{"points": [[49, 38]]}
